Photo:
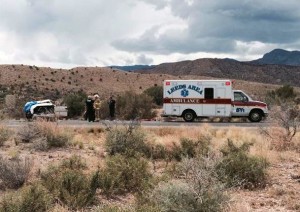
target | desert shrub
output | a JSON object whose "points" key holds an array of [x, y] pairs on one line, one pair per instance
{"points": [[28, 132], [32, 198], [188, 147], [10, 203], [44, 135], [58, 140], [131, 106], [5, 134], [49, 177], [74, 163], [281, 95], [55, 136], [128, 141], [14, 109], [159, 151], [70, 184], [35, 198], [197, 189], [285, 92], [174, 196], [14, 173], [238, 168], [113, 208], [191, 148], [40, 144], [286, 118], [123, 175], [180, 196], [156, 93], [76, 190], [75, 103]]}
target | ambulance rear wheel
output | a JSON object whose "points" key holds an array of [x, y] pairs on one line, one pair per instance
{"points": [[189, 115], [255, 116]]}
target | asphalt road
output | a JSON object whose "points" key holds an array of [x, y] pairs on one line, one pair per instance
{"points": [[83, 124]]}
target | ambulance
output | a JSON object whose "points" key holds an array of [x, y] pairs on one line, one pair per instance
{"points": [[191, 99]]}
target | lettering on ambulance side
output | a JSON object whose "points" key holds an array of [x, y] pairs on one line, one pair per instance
{"points": [[185, 89]]}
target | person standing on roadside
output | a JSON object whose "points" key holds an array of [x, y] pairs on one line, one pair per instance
{"points": [[90, 111], [112, 107], [97, 105]]}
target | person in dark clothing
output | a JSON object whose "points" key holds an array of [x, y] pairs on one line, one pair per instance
{"points": [[90, 111], [112, 107]]}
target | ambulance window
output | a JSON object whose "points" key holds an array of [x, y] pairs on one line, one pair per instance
{"points": [[240, 97], [208, 93]]}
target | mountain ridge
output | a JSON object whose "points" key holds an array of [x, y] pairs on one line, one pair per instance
{"points": [[280, 57], [220, 68]]}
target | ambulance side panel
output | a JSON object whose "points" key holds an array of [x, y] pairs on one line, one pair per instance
{"points": [[204, 97]]}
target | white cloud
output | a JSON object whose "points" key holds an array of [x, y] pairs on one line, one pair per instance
{"points": [[99, 32]]}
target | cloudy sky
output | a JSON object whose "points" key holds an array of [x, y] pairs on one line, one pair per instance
{"points": [[68, 33]]}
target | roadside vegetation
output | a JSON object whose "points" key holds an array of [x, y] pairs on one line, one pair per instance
{"points": [[130, 168], [45, 167], [285, 116]]}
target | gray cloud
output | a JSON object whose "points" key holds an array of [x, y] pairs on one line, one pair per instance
{"points": [[142, 59], [216, 26]]}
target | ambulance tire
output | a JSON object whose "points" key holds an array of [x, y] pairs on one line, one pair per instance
{"points": [[189, 115], [255, 116]]}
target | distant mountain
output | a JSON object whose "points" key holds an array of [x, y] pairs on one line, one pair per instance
{"points": [[231, 69], [133, 68], [280, 57]]}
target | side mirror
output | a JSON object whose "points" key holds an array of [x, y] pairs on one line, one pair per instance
{"points": [[245, 99]]}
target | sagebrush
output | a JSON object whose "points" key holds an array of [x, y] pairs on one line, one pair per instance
{"points": [[15, 172], [70, 184], [239, 169], [124, 175], [5, 134], [31, 198], [196, 188], [128, 141]]}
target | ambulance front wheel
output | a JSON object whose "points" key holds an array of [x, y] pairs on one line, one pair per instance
{"points": [[189, 115], [255, 116]]}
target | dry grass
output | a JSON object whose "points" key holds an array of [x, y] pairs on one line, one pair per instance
{"points": [[5, 135], [59, 208], [281, 193], [169, 136]]}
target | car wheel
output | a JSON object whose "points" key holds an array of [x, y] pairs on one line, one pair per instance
{"points": [[255, 116], [28, 116], [189, 116]]}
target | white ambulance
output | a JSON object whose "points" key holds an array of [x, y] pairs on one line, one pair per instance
{"points": [[192, 99]]}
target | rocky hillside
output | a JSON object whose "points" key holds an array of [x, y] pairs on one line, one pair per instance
{"points": [[281, 57], [42, 81], [31, 82], [225, 68]]}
